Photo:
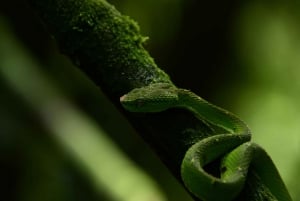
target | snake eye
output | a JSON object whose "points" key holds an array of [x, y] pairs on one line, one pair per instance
{"points": [[223, 169]]}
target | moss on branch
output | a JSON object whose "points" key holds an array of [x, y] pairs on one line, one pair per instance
{"points": [[108, 47], [102, 42]]}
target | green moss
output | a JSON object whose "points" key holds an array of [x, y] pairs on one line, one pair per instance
{"points": [[105, 44]]}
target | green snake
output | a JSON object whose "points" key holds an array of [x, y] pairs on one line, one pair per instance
{"points": [[234, 145]]}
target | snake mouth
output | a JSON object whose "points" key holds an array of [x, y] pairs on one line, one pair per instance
{"points": [[122, 98]]}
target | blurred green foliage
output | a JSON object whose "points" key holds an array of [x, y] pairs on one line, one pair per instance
{"points": [[241, 55]]}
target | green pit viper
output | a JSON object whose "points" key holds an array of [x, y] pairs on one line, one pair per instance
{"points": [[235, 143]]}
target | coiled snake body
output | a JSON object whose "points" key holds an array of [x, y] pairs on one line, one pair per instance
{"points": [[234, 144]]}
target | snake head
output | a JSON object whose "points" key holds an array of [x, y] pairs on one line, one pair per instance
{"points": [[152, 98]]}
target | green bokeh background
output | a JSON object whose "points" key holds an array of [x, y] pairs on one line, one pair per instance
{"points": [[241, 55]]}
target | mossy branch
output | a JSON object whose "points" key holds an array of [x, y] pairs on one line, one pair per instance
{"points": [[108, 47]]}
